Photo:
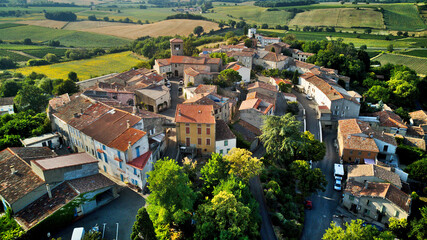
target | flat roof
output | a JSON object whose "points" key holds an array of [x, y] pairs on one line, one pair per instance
{"points": [[65, 161], [40, 138]]}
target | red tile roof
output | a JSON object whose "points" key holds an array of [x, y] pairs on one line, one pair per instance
{"points": [[131, 135], [222, 131], [254, 95], [274, 57], [194, 114], [59, 101], [90, 114], [323, 86], [140, 161], [203, 88], [389, 119], [419, 117], [176, 40], [262, 85], [90, 183]]}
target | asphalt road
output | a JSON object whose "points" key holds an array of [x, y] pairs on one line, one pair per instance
{"points": [[121, 210], [325, 203]]}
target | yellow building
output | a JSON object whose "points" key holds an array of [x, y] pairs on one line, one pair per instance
{"points": [[195, 127]]}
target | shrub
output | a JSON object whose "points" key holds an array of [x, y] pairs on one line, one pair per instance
{"points": [[37, 62]]}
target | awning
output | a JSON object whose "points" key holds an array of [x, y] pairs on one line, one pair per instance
{"points": [[159, 137]]}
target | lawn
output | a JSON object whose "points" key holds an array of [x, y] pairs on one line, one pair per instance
{"points": [[251, 14], [87, 68], [339, 17], [404, 17], [66, 37], [416, 63]]}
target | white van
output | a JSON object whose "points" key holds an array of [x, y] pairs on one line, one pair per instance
{"points": [[78, 233]]}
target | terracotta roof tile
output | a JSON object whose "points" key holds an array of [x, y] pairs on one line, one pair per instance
{"points": [[140, 161], [381, 190], [91, 183], [389, 119], [65, 161], [6, 101], [323, 86], [194, 114], [203, 88], [262, 85], [131, 135], [253, 95], [59, 101], [419, 117], [176, 40], [371, 170], [32, 153], [274, 57], [89, 115]]}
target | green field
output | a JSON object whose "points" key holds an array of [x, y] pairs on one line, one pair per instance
{"points": [[66, 37], [20, 47], [251, 14], [135, 14], [40, 53], [87, 68], [14, 56], [340, 17], [403, 17], [416, 63], [415, 53]]}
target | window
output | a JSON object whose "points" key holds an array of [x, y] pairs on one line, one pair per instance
{"points": [[351, 197], [351, 152], [346, 107], [396, 214], [221, 152], [337, 107], [369, 154], [385, 148], [105, 158], [228, 150], [367, 211], [105, 169], [103, 147], [208, 129], [208, 141], [134, 171], [121, 177], [367, 203], [137, 151], [360, 153], [199, 130], [187, 130], [226, 143], [199, 141], [187, 142], [121, 166], [118, 154]]}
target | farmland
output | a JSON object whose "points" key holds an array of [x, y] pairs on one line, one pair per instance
{"points": [[133, 31], [87, 68], [339, 17], [415, 53], [66, 37], [403, 17], [14, 56], [416, 63]]}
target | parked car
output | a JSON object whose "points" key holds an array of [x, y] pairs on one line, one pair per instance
{"points": [[337, 185], [78, 233], [373, 225], [180, 89], [311, 164], [308, 204], [309, 97], [168, 84], [181, 82]]}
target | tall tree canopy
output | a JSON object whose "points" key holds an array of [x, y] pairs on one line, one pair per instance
{"points": [[143, 226], [31, 97], [242, 164], [356, 231]]}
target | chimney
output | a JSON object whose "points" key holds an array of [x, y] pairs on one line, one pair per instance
{"points": [[129, 151], [213, 113], [134, 110], [12, 169], [365, 185], [49, 193], [128, 124], [76, 115], [116, 89]]}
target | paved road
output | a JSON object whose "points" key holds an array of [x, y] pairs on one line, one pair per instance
{"points": [[121, 210], [325, 203]]}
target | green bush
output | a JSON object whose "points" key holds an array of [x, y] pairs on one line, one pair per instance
{"points": [[409, 154]]}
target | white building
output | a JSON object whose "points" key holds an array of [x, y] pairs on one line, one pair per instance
{"points": [[50, 140], [6, 105], [225, 140], [243, 71]]}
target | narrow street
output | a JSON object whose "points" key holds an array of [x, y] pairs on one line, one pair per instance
{"points": [[325, 203]]}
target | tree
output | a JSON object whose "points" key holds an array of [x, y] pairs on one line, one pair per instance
{"points": [[73, 76], [309, 180], [171, 199], [198, 30], [403, 114], [363, 47], [227, 78], [222, 218], [377, 93], [418, 170], [399, 227], [283, 87], [7, 63], [293, 108], [221, 25], [312, 149], [28, 41], [419, 227], [189, 47], [248, 43], [214, 171], [91, 18], [264, 26], [355, 231], [31, 97], [66, 86], [143, 226], [232, 23], [9, 88], [281, 137], [295, 78], [50, 57], [242, 164], [390, 48]]}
